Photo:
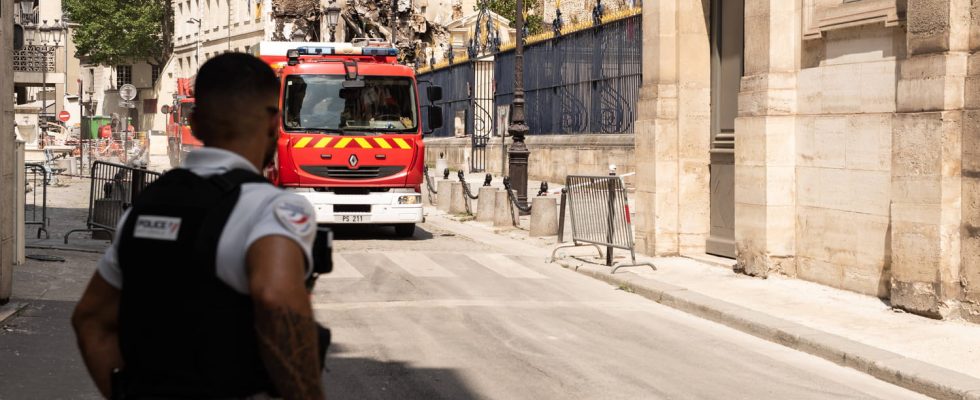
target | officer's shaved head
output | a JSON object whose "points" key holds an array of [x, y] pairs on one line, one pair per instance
{"points": [[235, 95]]}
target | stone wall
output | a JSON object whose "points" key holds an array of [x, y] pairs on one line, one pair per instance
{"points": [[846, 98], [7, 192], [553, 157]]}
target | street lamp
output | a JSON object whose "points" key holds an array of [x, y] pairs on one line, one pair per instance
{"points": [[333, 17], [44, 39], [518, 153], [27, 12], [197, 49]]}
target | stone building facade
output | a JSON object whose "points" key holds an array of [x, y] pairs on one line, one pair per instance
{"points": [[852, 143], [7, 192]]}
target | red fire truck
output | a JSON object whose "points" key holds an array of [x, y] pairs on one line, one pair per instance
{"points": [[180, 140], [350, 137]]}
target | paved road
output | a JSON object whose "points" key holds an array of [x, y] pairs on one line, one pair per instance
{"points": [[445, 317], [441, 316]]}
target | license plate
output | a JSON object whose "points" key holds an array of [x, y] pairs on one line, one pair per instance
{"points": [[352, 219]]}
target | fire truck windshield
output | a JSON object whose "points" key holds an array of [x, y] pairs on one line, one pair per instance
{"points": [[322, 103], [185, 113]]}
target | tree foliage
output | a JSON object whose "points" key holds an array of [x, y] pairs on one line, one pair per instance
{"points": [[114, 32], [508, 9]]}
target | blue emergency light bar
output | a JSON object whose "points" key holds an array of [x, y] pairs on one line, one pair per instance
{"points": [[366, 51]]}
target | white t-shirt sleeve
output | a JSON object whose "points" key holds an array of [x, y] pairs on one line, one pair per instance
{"points": [[290, 216], [109, 264]]}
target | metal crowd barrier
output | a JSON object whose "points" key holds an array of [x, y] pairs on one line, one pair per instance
{"points": [[36, 179], [114, 188], [599, 216]]}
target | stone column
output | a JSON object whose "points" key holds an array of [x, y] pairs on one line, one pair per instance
{"points": [[672, 130], [930, 127], [6, 150], [971, 177], [765, 147]]}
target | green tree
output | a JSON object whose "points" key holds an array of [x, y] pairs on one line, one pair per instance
{"points": [[113, 32], [508, 9]]}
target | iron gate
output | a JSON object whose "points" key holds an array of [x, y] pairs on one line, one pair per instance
{"points": [[468, 99], [483, 115]]}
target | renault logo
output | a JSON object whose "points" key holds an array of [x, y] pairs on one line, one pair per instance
{"points": [[352, 161]]}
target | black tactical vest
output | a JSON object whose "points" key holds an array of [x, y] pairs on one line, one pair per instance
{"points": [[183, 332]]}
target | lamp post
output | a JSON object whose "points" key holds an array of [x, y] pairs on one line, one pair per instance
{"points": [[518, 153], [43, 39], [27, 16], [333, 17], [197, 49]]}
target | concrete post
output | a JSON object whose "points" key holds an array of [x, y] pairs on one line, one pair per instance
{"points": [[485, 204], [20, 183], [457, 201], [444, 187], [544, 216], [502, 209]]}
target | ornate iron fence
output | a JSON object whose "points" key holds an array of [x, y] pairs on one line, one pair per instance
{"points": [[456, 82], [586, 81]]}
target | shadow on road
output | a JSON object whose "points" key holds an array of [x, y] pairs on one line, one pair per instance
{"points": [[363, 378], [38, 355]]}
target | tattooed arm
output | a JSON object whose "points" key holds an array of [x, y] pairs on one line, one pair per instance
{"points": [[284, 318]]}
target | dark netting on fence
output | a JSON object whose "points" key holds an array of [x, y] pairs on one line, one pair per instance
{"points": [[456, 98], [583, 82]]}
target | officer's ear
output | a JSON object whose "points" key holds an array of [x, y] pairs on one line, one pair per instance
{"points": [[273, 122]]}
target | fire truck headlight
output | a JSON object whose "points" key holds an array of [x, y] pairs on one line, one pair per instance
{"points": [[410, 199]]}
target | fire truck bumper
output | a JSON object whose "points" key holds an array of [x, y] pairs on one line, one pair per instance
{"points": [[383, 208]]}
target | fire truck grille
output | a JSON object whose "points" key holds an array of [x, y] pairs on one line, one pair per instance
{"points": [[341, 172]]}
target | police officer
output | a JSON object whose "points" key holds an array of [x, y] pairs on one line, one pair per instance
{"points": [[202, 293]]}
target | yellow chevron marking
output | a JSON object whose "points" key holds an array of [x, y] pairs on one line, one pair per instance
{"points": [[401, 143], [363, 142], [342, 143], [322, 143], [303, 142], [382, 143]]}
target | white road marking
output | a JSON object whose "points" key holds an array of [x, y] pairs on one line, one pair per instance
{"points": [[506, 266], [342, 269], [419, 265]]}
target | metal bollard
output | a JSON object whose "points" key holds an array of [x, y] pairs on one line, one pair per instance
{"points": [[444, 187], [544, 216], [457, 202], [485, 204], [502, 209]]}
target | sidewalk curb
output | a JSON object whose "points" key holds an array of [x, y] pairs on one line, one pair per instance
{"points": [[9, 310], [918, 376]]}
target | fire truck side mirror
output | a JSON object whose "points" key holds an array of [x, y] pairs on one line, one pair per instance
{"points": [[165, 109], [434, 93], [435, 118]]}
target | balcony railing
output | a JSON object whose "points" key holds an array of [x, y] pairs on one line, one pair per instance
{"points": [[27, 18]]}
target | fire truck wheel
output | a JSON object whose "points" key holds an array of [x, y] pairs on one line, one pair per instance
{"points": [[405, 230]]}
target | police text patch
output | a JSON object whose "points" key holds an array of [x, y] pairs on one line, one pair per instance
{"points": [[156, 227]]}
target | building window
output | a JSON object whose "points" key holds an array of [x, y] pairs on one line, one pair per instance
{"points": [[124, 75], [155, 71]]}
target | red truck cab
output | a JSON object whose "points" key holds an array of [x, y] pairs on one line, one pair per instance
{"points": [[180, 139], [350, 136]]}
